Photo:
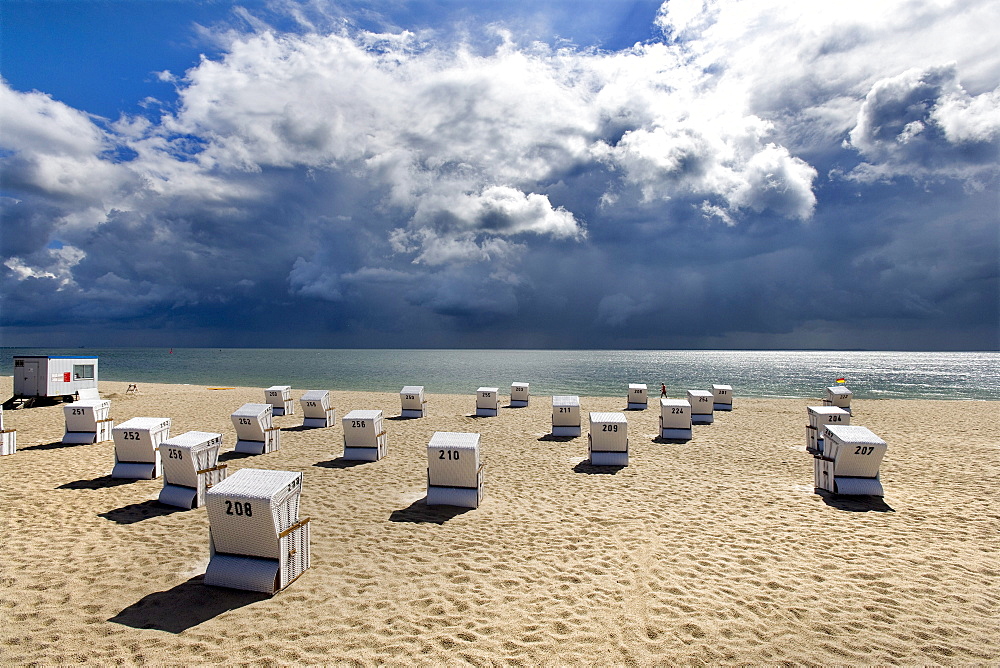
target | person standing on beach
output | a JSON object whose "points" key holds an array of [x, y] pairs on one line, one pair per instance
{"points": [[663, 390]]}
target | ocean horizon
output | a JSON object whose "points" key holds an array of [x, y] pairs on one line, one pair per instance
{"points": [[752, 373]]}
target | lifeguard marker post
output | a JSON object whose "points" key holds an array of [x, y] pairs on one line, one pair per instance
{"points": [[190, 468], [607, 442], [675, 420], [412, 402], [638, 398], [722, 397], [519, 393], [702, 403], [8, 438], [487, 401], [850, 461], [280, 398], [454, 471], [566, 415], [137, 447], [255, 431], [316, 410], [87, 421], [365, 437], [256, 538]]}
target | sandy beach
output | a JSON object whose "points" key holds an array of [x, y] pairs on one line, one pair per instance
{"points": [[715, 551]]}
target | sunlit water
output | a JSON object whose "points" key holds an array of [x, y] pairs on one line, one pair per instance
{"points": [[870, 375]]}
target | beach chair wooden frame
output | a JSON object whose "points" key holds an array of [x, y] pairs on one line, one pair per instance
{"points": [[702, 405], [412, 402], [722, 397], [520, 394], [316, 410], [8, 438], [365, 436], [137, 447], [675, 420], [487, 401], [255, 432], [607, 442], [87, 421], [455, 474], [850, 462], [280, 398], [257, 541], [638, 397], [566, 419], [190, 468]]}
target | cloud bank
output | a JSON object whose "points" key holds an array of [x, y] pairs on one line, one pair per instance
{"points": [[762, 174]]}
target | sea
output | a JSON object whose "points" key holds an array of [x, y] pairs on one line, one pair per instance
{"points": [[751, 373]]}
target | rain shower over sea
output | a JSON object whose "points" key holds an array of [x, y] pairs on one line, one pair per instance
{"points": [[870, 375]]}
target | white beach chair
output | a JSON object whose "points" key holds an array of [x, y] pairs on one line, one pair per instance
{"points": [[257, 540], [519, 393], [87, 421], [8, 438], [316, 410], [850, 461], [190, 468], [819, 417], [137, 447], [280, 398], [702, 403], [255, 433], [675, 419], [607, 442], [638, 398], [412, 402], [454, 472], [487, 401], [839, 396], [722, 397], [566, 415], [365, 437]]}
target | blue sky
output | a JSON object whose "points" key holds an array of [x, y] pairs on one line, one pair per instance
{"points": [[687, 174]]}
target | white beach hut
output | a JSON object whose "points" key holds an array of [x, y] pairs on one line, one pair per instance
{"points": [[257, 540], [364, 436], [53, 375], [280, 398], [8, 438], [839, 396], [87, 421], [850, 461], [412, 402], [316, 410], [487, 401], [722, 397], [190, 468], [255, 431], [137, 447], [566, 418], [519, 393], [819, 418], [675, 419], [702, 403], [607, 442], [454, 471], [638, 398]]}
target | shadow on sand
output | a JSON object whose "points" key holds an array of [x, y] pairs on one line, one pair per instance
{"points": [[104, 482], [419, 512], [856, 504], [137, 512], [586, 467], [341, 463], [188, 604]]}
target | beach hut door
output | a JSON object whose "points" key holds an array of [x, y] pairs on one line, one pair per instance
{"points": [[29, 378]]}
